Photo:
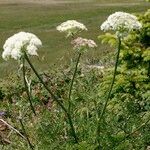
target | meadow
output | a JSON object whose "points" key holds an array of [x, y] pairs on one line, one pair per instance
{"points": [[42, 17], [77, 93]]}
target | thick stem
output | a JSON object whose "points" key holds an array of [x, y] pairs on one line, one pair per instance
{"points": [[72, 81], [55, 99], [26, 87], [109, 93], [25, 133]]}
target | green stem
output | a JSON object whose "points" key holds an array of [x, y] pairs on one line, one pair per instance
{"points": [[55, 99], [109, 93], [72, 81], [25, 133], [26, 87]]}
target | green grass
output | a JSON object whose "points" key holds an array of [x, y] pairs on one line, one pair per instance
{"points": [[42, 19]]}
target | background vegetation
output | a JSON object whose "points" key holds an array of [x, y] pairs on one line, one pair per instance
{"points": [[42, 17], [126, 124]]}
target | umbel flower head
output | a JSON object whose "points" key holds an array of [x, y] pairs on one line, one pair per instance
{"points": [[122, 23], [81, 44], [19, 43], [71, 27]]}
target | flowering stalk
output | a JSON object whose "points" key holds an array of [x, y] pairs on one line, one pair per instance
{"points": [[81, 45], [25, 133], [72, 81], [55, 99], [122, 23], [26, 86], [109, 93]]}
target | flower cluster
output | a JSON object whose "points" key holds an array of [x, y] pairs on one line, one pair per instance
{"points": [[82, 44], [19, 43], [71, 27], [122, 23]]}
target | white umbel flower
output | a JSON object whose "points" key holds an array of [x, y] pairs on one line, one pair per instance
{"points": [[71, 27], [122, 23], [82, 44], [20, 42]]}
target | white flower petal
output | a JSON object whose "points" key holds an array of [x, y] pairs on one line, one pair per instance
{"points": [[16, 54], [22, 41], [121, 23], [32, 50], [71, 27]]}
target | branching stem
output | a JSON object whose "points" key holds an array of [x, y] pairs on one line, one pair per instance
{"points": [[56, 99]]}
